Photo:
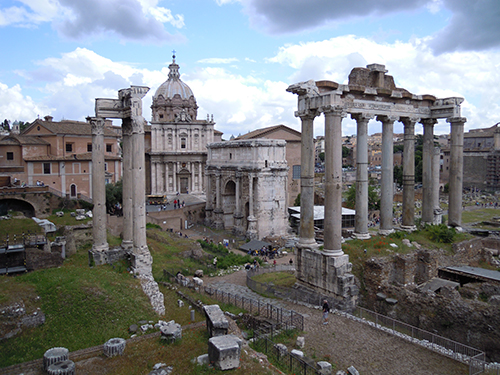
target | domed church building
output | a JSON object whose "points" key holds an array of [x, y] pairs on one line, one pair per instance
{"points": [[178, 150]]}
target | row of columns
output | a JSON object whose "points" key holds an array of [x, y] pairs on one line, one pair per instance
{"points": [[160, 184], [134, 186], [333, 176]]}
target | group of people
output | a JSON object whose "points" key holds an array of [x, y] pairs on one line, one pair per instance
{"points": [[265, 252], [179, 204]]}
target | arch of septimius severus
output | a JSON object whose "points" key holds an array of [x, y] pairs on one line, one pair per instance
{"points": [[128, 108], [369, 94]]}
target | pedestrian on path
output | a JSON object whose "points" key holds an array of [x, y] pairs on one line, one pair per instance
{"points": [[326, 309]]}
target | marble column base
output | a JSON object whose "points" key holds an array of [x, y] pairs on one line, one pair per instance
{"points": [[385, 232], [361, 236], [332, 253], [409, 228], [127, 245], [308, 244]]}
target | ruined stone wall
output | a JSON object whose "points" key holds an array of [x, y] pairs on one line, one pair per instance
{"points": [[475, 170], [76, 236], [38, 259]]}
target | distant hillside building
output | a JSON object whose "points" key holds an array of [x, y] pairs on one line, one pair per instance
{"points": [[177, 155], [58, 155], [293, 143], [481, 159]]}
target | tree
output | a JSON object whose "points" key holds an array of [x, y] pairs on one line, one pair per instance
{"points": [[398, 174], [114, 195], [6, 124], [296, 203], [346, 151], [321, 156], [373, 198]]}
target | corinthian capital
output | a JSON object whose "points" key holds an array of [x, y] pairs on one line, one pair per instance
{"points": [[387, 119], [361, 117], [307, 114], [456, 120], [97, 125], [335, 110]]}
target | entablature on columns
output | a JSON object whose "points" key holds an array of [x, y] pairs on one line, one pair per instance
{"points": [[364, 96]]}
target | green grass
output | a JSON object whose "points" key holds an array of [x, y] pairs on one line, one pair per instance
{"points": [[13, 227], [83, 306], [285, 279], [480, 215]]}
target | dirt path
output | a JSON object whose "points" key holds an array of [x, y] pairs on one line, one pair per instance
{"points": [[344, 342]]}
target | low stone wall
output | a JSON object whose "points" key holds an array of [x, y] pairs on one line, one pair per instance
{"points": [[76, 235], [37, 259]]}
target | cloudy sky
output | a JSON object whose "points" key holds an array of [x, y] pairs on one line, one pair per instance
{"points": [[239, 56]]}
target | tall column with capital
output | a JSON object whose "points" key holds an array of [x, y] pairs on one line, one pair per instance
{"points": [[218, 211], [387, 183], [209, 208], [409, 174], [427, 155], [306, 232], [99, 226], [127, 187], [333, 181], [437, 211], [153, 177], [456, 171], [238, 216], [361, 225], [252, 221]]}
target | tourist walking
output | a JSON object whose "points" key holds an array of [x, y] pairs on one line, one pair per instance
{"points": [[326, 309]]}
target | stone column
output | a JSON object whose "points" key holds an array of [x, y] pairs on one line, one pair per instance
{"points": [[333, 182], [436, 162], [191, 166], [200, 178], [166, 179], [100, 245], [128, 215], [209, 208], [361, 225], [306, 232], [153, 177], [252, 221], [409, 174], [142, 259], [238, 216], [174, 176], [218, 211], [456, 171], [387, 183], [427, 155]]}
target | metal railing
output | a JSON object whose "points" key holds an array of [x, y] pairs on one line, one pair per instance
{"points": [[285, 361], [473, 357], [263, 309]]}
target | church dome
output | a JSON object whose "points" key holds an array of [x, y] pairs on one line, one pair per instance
{"points": [[174, 101], [173, 85]]}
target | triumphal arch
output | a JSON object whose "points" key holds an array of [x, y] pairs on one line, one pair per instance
{"points": [[369, 94]]}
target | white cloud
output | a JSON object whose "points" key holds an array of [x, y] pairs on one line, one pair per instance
{"points": [[139, 20], [218, 60], [472, 75], [16, 106]]}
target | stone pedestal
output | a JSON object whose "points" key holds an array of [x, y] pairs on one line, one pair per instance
{"points": [[217, 323], [171, 331], [328, 274], [224, 352], [252, 228]]}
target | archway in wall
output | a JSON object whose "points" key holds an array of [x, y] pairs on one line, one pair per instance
{"points": [[72, 191], [229, 204], [16, 205]]}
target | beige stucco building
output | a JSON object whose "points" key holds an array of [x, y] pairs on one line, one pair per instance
{"points": [[177, 155], [58, 155]]}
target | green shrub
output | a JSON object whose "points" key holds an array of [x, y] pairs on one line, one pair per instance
{"points": [[440, 233], [152, 226]]}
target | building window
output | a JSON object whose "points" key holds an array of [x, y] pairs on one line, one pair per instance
{"points": [[183, 142], [109, 147], [296, 172], [46, 168], [10, 156], [69, 147], [161, 116], [89, 147], [105, 166]]}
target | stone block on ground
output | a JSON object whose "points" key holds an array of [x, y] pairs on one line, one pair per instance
{"points": [[281, 349], [62, 368], [54, 355], [301, 341], [224, 351], [217, 323], [171, 331], [114, 347], [198, 273], [161, 370], [202, 360], [324, 368], [352, 371]]}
